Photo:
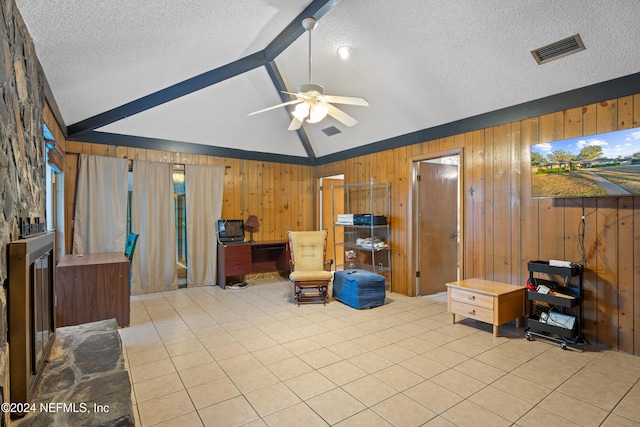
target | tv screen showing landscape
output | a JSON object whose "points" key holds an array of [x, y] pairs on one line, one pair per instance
{"points": [[602, 165]]}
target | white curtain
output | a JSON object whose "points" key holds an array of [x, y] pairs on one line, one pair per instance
{"points": [[153, 219], [204, 206], [100, 222]]}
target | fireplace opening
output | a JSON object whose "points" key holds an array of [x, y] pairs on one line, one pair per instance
{"points": [[31, 307], [42, 319]]}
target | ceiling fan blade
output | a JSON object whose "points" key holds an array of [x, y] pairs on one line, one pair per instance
{"points": [[341, 116], [295, 124], [301, 96], [349, 100], [297, 101]]}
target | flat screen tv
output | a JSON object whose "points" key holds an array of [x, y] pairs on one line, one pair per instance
{"points": [[230, 230], [602, 165]]}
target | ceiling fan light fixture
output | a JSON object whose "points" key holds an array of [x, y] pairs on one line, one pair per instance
{"points": [[317, 112], [310, 111], [301, 112]]}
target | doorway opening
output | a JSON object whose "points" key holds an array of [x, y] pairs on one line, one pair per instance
{"points": [[437, 233], [330, 200]]}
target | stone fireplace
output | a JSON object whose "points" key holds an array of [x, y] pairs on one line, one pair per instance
{"points": [[22, 154]]}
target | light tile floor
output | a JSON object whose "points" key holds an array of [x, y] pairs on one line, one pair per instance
{"points": [[250, 357]]}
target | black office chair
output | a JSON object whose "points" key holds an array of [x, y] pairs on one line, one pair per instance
{"points": [[130, 246]]}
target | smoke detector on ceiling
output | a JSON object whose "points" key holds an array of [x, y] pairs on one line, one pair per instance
{"points": [[559, 49]]}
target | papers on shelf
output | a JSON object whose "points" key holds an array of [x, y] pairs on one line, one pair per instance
{"points": [[345, 219], [371, 243]]}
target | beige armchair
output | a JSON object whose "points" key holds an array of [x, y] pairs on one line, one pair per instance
{"points": [[310, 271]]}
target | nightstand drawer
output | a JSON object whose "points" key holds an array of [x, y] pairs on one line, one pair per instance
{"points": [[472, 311], [472, 298]]}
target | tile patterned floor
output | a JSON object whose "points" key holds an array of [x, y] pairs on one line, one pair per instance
{"points": [[250, 357]]}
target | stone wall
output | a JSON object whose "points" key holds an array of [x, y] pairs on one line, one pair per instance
{"points": [[22, 158]]}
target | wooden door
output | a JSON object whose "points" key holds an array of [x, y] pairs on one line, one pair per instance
{"points": [[438, 233]]}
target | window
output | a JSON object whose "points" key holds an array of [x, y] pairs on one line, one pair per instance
{"points": [[181, 215], [54, 190], [180, 203], [51, 202]]}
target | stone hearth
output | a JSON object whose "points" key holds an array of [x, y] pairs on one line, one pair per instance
{"points": [[85, 382]]}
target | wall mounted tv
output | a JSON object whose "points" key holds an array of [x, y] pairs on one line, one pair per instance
{"points": [[230, 230], [602, 165]]}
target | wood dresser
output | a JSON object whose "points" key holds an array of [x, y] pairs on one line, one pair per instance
{"points": [[92, 287], [486, 301]]}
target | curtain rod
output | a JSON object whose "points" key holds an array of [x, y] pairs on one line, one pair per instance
{"points": [[179, 169], [131, 160]]}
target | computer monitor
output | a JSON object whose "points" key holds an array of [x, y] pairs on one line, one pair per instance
{"points": [[230, 230]]}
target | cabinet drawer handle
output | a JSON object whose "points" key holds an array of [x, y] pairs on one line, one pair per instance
{"points": [[472, 298], [472, 312]]}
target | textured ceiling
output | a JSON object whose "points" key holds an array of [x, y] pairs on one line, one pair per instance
{"points": [[420, 64]]}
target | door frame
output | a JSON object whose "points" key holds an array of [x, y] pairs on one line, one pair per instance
{"points": [[413, 216], [322, 195]]}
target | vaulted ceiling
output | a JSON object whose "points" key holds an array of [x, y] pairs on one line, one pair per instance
{"points": [[182, 75]]}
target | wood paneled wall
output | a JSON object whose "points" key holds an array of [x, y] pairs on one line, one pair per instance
{"points": [[504, 227]]}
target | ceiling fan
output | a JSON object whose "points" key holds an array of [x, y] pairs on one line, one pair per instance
{"points": [[312, 105]]}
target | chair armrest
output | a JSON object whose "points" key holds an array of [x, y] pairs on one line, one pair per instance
{"points": [[327, 264]]}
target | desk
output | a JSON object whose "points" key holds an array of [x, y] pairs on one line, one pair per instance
{"points": [[486, 301], [92, 287], [238, 259]]}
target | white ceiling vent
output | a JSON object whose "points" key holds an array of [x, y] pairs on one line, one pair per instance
{"points": [[558, 49]]}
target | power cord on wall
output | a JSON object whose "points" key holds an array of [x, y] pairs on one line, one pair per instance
{"points": [[581, 231], [582, 250]]}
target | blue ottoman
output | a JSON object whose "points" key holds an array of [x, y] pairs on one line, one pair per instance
{"points": [[359, 288]]}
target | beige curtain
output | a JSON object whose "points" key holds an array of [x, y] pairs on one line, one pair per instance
{"points": [[153, 218], [100, 221], [204, 206]]}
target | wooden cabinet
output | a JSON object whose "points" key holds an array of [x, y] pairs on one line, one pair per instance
{"points": [[238, 259], [92, 287], [233, 260], [486, 301]]}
